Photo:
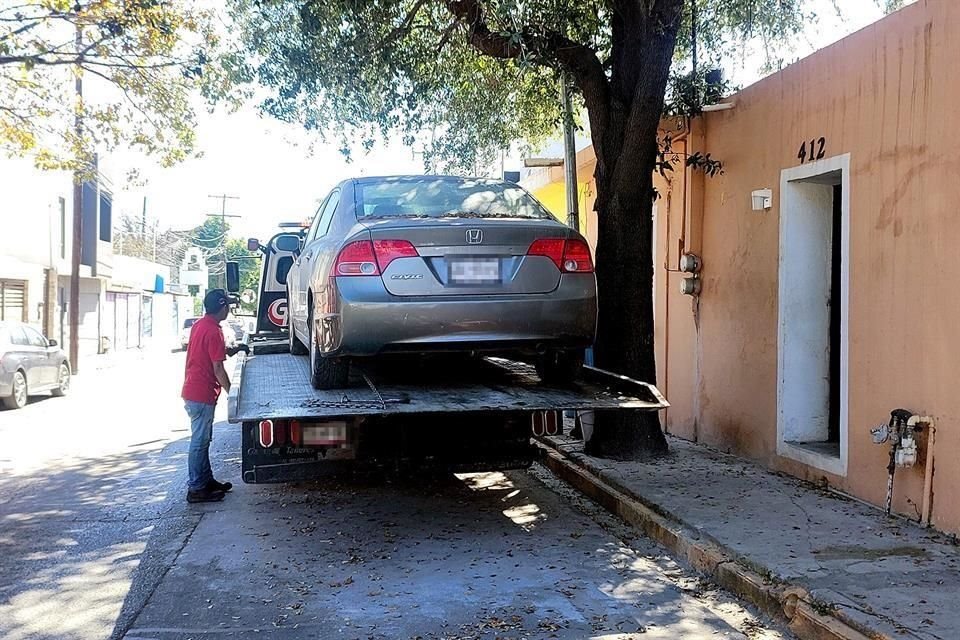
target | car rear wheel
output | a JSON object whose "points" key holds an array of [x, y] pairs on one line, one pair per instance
{"points": [[559, 367], [63, 381], [18, 395], [325, 373], [297, 348]]}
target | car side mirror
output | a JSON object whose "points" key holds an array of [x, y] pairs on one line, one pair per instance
{"points": [[233, 277], [253, 245], [51, 343]]}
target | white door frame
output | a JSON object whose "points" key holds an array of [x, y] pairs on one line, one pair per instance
{"points": [[798, 362]]}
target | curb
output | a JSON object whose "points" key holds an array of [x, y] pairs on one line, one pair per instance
{"points": [[806, 617]]}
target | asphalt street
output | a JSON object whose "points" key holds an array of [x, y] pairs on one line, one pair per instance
{"points": [[96, 541]]}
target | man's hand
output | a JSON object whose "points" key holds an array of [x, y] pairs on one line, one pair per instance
{"points": [[232, 351]]}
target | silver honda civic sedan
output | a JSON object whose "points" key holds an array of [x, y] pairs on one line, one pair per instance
{"points": [[418, 264]]}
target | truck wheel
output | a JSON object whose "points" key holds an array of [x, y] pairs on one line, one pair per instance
{"points": [[326, 373], [297, 348], [18, 395], [559, 367]]}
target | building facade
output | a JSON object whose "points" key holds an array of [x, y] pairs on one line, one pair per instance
{"points": [[36, 249], [823, 299]]}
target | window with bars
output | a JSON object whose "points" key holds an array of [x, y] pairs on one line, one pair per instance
{"points": [[13, 300]]}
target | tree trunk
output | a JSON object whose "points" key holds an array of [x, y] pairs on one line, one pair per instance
{"points": [[626, 154], [625, 334]]}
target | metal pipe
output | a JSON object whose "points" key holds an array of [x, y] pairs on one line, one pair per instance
{"points": [[927, 508], [891, 469], [569, 157]]}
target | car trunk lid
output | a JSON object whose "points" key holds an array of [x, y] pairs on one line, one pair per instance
{"points": [[468, 256]]}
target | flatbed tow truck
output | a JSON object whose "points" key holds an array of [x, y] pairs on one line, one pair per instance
{"points": [[450, 412]]}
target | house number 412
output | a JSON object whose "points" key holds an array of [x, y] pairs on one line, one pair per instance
{"points": [[815, 151]]}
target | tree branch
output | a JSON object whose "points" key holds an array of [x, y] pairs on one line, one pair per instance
{"points": [[550, 49]]}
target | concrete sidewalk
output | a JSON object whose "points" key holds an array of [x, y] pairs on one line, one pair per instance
{"points": [[790, 544]]}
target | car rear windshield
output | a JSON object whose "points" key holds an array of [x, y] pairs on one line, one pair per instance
{"points": [[445, 197]]}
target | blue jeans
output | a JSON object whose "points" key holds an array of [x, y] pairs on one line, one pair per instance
{"points": [[201, 430]]}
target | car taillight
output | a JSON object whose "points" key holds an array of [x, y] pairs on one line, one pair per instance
{"points": [[576, 257], [387, 251], [570, 256], [356, 259]]}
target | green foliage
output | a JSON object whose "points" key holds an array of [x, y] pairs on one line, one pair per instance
{"points": [[889, 6], [139, 61], [358, 70]]}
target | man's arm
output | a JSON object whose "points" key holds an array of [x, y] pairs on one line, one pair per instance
{"points": [[221, 375]]}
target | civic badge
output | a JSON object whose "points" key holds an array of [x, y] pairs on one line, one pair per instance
{"points": [[474, 236]]}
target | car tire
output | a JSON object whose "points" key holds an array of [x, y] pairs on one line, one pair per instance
{"points": [[297, 348], [325, 373], [559, 367], [18, 395], [63, 381]]}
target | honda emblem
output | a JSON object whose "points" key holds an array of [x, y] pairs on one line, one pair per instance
{"points": [[474, 236]]}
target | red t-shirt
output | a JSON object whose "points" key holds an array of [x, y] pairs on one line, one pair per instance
{"points": [[206, 346]]}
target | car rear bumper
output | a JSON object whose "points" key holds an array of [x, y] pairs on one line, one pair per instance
{"points": [[371, 321]]}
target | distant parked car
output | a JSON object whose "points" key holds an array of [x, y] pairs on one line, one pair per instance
{"points": [[29, 364], [185, 331], [416, 264], [229, 332]]}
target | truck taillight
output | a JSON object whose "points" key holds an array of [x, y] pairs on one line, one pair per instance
{"points": [[356, 259], [266, 433], [570, 256]]}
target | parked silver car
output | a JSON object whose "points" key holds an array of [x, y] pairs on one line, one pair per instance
{"points": [[434, 263], [29, 364]]}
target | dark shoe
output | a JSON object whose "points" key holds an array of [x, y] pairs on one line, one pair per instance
{"points": [[205, 495], [214, 485]]}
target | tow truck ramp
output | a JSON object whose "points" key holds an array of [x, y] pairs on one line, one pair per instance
{"points": [[277, 386], [455, 413]]}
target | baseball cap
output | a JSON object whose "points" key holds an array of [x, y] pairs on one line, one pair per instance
{"points": [[217, 299]]}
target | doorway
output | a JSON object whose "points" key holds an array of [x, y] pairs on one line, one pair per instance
{"points": [[813, 314]]}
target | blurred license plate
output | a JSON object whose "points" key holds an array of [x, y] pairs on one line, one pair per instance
{"points": [[475, 271], [333, 433]]}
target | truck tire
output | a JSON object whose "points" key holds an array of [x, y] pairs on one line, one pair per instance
{"points": [[559, 367], [325, 373]]}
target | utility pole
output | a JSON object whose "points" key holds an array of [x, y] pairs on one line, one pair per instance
{"points": [[74, 301], [569, 157], [223, 221]]}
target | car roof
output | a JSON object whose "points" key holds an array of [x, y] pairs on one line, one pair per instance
{"points": [[421, 177]]}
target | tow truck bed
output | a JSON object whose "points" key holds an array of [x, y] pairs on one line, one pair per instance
{"points": [[277, 386]]}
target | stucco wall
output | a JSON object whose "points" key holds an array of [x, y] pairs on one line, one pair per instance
{"points": [[887, 96]]}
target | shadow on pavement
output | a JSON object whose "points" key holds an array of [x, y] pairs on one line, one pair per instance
{"points": [[74, 534]]}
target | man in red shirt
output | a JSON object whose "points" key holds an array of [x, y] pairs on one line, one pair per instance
{"points": [[204, 377]]}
